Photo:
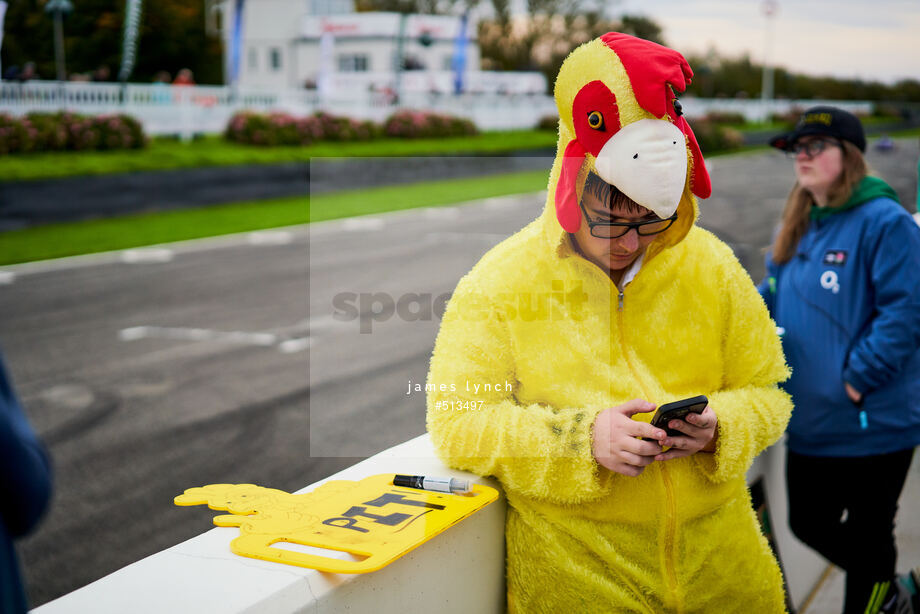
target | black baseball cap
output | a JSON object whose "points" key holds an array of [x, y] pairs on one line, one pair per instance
{"points": [[824, 121]]}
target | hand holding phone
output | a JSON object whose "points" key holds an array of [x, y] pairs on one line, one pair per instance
{"points": [[678, 410], [624, 445]]}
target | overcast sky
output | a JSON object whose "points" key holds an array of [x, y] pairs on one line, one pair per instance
{"points": [[867, 39]]}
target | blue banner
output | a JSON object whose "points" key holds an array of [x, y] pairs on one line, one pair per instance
{"points": [[236, 42], [458, 63], [2, 16]]}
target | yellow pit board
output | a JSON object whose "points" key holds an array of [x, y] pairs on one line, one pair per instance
{"points": [[371, 518]]}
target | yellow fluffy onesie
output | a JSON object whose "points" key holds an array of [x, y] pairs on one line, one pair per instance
{"points": [[537, 340]]}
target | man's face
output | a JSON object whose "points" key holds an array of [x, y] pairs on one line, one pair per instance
{"points": [[612, 254]]}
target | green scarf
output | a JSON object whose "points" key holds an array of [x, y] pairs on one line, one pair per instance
{"points": [[865, 190]]}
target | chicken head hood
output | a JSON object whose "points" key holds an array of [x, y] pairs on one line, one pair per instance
{"points": [[619, 118]]}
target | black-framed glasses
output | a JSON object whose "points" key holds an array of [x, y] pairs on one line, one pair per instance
{"points": [[614, 230], [812, 147]]}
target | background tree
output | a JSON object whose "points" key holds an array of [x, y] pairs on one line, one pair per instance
{"points": [[717, 76], [172, 37], [543, 38]]}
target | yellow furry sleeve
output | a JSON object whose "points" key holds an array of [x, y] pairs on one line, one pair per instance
{"points": [[752, 410], [539, 451]]}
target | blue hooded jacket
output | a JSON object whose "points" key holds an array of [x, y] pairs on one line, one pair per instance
{"points": [[849, 301], [25, 490]]}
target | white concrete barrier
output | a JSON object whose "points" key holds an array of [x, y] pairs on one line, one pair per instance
{"points": [[460, 570]]}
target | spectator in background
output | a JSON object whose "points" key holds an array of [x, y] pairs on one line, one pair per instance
{"points": [[29, 72], [184, 77], [843, 281], [25, 490], [102, 74], [161, 88], [11, 73]]}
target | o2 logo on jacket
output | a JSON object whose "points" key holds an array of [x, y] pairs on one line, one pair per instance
{"points": [[829, 281]]}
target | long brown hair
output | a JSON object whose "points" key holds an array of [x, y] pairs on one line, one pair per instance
{"points": [[800, 202]]}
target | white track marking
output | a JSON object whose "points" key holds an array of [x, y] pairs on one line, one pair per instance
{"points": [[359, 224], [137, 256], [284, 344], [197, 334], [270, 237], [7, 277], [513, 200], [442, 213], [325, 323], [459, 237], [292, 346], [190, 246]]}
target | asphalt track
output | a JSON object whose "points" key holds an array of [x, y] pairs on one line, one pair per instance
{"points": [[151, 371]]}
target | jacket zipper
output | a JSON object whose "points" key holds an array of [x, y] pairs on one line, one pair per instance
{"points": [[671, 524]]}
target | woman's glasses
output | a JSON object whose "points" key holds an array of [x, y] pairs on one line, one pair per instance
{"points": [[811, 147]]}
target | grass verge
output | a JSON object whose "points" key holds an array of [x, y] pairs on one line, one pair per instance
{"points": [[168, 154], [92, 236]]}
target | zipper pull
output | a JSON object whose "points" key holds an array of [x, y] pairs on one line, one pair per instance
{"points": [[620, 302], [863, 420]]}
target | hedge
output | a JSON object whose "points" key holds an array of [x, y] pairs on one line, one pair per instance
{"points": [[271, 129], [39, 132]]}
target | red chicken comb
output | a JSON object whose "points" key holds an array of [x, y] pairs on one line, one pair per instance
{"points": [[652, 68]]}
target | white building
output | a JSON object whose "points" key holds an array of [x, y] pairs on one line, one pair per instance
{"points": [[324, 44]]}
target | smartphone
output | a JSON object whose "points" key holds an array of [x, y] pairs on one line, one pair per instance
{"points": [[676, 411]]}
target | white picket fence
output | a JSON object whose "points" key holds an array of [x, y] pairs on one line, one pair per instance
{"points": [[186, 110], [189, 110]]}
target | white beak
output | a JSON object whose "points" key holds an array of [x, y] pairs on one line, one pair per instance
{"points": [[647, 161]]}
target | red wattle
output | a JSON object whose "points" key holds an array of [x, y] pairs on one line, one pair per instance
{"points": [[567, 210], [700, 183]]}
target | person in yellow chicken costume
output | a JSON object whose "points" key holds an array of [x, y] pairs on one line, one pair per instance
{"points": [[557, 345]]}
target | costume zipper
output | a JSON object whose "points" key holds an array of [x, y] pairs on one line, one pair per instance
{"points": [[670, 534], [671, 526]]}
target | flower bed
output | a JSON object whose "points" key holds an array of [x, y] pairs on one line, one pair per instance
{"points": [[422, 124], [39, 132], [282, 129]]}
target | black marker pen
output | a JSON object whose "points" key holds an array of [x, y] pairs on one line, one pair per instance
{"points": [[449, 485]]}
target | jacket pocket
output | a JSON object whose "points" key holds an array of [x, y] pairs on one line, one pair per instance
{"points": [[888, 407]]}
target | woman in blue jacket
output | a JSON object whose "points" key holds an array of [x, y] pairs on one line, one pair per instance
{"points": [[843, 281]]}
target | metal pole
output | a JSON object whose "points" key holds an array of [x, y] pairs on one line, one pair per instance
{"points": [[766, 87], [400, 45], [3, 7], [59, 45]]}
